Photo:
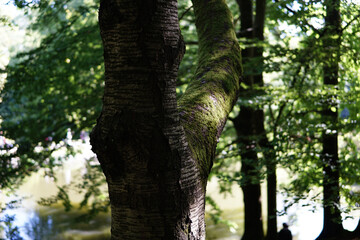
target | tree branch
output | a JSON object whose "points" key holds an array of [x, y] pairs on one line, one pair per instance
{"points": [[210, 96], [349, 23], [304, 20], [191, 42], [185, 12]]}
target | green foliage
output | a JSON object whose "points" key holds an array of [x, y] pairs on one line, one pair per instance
{"points": [[5, 21], [56, 88], [188, 31], [61, 196], [52, 88], [306, 121], [91, 186], [215, 214], [58, 85], [294, 97]]}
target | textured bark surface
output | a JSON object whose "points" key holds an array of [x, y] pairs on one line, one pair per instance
{"points": [[210, 96], [156, 157], [331, 166]]}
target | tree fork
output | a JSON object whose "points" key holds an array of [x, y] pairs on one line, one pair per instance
{"points": [[156, 155]]}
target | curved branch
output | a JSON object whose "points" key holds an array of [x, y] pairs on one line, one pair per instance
{"points": [[211, 94]]}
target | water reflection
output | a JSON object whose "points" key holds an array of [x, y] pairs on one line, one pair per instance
{"points": [[38, 223], [40, 227], [55, 223]]}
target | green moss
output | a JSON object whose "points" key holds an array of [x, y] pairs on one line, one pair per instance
{"points": [[210, 96]]}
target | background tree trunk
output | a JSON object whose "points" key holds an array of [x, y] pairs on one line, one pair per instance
{"points": [[270, 158], [249, 122], [331, 165], [155, 161]]}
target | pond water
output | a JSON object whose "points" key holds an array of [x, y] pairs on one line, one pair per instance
{"points": [[38, 222], [54, 223]]}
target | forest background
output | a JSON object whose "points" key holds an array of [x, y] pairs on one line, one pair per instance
{"points": [[298, 109]]}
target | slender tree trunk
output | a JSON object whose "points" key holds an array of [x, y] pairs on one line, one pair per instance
{"points": [[156, 152], [259, 114], [244, 125], [271, 197], [331, 166], [249, 122]]}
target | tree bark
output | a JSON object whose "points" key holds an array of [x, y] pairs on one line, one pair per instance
{"points": [[269, 155], [249, 123], [156, 155], [250, 184], [331, 165]]}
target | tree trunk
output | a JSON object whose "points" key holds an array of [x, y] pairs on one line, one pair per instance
{"points": [[264, 143], [249, 123], [156, 155], [331, 166], [271, 197], [250, 184]]}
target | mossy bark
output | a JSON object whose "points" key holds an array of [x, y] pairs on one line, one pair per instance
{"points": [[211, 94], [155, 154]]}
